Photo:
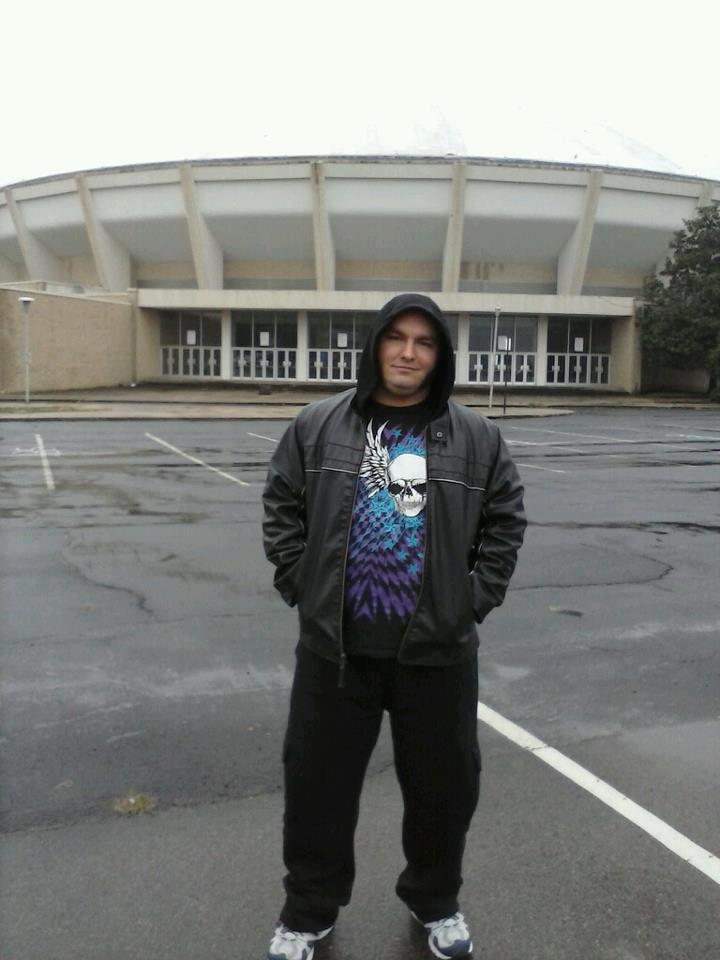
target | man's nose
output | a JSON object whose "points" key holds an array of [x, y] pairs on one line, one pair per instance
{"points": [[408, 349]]}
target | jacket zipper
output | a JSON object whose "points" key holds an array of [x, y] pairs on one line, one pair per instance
{"points": [[343, 655], [425, 547]]}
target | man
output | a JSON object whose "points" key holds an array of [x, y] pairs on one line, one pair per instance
{"points": [[393, 517]]}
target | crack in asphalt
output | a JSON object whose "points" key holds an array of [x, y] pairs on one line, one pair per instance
{"points": [[623, 580], [141, 601]]}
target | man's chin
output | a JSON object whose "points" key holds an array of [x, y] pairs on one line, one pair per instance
{"points": [[403, 389], [415, 393]]}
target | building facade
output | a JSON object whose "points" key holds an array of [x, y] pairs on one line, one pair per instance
{"points": [[271, 269]]}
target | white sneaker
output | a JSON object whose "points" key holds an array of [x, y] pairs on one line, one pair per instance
{"points": [[293, 945], [448, 938]]}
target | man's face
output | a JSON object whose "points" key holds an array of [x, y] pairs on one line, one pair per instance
{"points": [[407, 355]]}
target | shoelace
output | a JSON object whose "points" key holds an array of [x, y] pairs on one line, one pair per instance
{"points": [[450, 930], [289, 935], [453, 921]]}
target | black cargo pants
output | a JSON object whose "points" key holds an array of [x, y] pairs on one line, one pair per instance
{"points": [[331, 734]]}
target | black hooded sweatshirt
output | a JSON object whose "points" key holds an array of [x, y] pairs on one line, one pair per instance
{"points": [[443, 377], [474, 519]]}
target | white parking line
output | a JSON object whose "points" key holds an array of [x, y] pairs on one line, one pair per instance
{"points": [[45, 462], [569, 433], [639, 442], [259, 436], [679, 426], [686, 849], [533, 466], [188, 456], [565, 444]]}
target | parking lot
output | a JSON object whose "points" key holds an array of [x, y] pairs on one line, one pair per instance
{"points": [[145, 652]]}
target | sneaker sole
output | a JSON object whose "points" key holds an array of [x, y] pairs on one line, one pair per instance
{"points": [[447, 956]]}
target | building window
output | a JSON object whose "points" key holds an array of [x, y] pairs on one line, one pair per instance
{"points": [[578, 350], [190, 328], [190, 343], [264, 344], [515, 349], [335, 341]]}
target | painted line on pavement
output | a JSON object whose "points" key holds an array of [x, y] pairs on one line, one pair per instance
{"points": [[569, 433], [639, 442], [565, 444], [533, 466], [45, 462], [259, 436], [693, 854], [188, 456]]}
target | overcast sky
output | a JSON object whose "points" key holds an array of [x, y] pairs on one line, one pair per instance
{"points": [[631, 83]]}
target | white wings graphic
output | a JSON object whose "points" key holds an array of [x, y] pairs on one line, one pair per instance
{"points": [[374, 469]]}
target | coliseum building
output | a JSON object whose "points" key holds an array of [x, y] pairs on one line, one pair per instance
{"points": [[271, 269]]}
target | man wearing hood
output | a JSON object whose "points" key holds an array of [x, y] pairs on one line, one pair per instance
{"points": [[393, 516]]}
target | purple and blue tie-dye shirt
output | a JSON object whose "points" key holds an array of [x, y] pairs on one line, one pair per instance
{"points": [[387, 537]]}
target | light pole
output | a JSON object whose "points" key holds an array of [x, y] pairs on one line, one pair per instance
{"points": [[25, 304], [507, 346], [493, 347]]}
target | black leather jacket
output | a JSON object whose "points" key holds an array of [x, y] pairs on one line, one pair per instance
{"points": [[474, 516]]}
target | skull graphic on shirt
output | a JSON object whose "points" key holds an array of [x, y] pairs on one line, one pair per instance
{"points": [[404, 477]]}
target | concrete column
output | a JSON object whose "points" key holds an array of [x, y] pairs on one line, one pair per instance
{"points": [[635, 355], [706, 195], [226, 345], [147, 338], [112, 259], [625, 359], [301, 366], [135, 335], [40, 262], [322, 234], [9, 271], [206, 251], [572, 262], [452, 254], [541, 352], [463, 348]]}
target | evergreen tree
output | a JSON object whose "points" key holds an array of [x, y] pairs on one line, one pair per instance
{"points": [[680, 319]]}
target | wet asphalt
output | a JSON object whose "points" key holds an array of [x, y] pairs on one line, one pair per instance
{"points": [[145, 652]]}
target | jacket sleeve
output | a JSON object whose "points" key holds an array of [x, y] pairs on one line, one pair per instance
{"points": [[500, 535], [284, 522]]}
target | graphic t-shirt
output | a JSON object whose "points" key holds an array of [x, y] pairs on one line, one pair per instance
{"points": [[387, 536]]}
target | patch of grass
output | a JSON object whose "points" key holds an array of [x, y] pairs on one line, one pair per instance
{"points": [[135, 803]]}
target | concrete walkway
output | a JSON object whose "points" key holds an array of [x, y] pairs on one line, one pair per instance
{"points": [[189, 402]]}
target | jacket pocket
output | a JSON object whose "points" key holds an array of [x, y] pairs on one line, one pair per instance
{"points": [[288, 580], [480, 603]]}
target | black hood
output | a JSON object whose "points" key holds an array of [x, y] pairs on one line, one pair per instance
{"points": [[443, 377]]}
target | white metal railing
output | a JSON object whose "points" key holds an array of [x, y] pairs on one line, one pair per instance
{"points": [[337, 365], [190, 361], [520, 367], [264, 363], [578, 368]]}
